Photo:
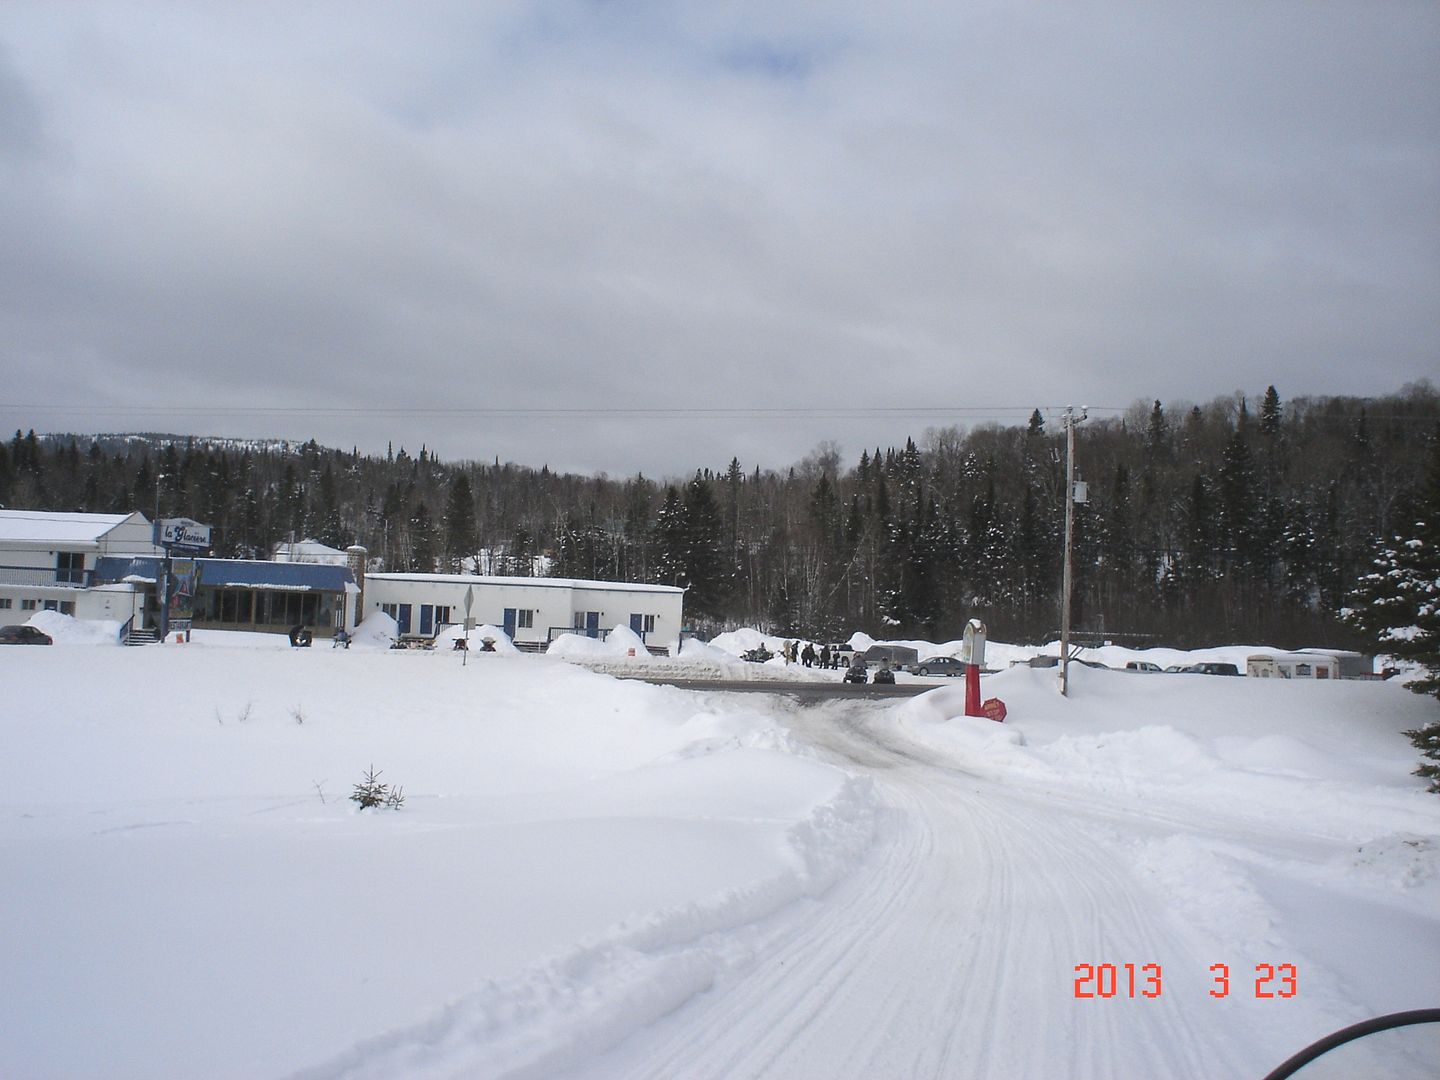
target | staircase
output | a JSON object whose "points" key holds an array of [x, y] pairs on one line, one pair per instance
{"points": [[147, 636]]}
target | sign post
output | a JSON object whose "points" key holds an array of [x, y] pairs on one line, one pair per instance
{"points": [[974, 658], [469, 622], [178, 582]]}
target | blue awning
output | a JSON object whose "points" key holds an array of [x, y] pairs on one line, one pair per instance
{"points": [[234, 574]]}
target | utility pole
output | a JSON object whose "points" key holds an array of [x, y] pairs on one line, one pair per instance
{"points": [[1070, 421]]}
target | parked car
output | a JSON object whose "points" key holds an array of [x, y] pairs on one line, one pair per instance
{"points": [[23, 635], [1210, 667], [939, 665], [1142, 665]]}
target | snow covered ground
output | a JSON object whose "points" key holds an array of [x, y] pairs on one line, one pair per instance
{"points": [[602, 879]]}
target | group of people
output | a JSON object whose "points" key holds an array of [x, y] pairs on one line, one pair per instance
{"points": [[825, 657]]}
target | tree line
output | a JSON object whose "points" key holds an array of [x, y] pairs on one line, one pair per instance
{"points": [[1235, 521]]}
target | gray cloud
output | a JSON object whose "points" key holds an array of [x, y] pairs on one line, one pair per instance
{"points": [[595, 206]]}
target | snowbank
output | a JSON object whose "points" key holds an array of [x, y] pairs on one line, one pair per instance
{"points": [[500, 641], [575, 856], [1281, 751], [377, 631], [620, 642], [68, 630]]}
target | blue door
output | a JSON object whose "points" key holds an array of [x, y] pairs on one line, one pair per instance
{"points": [[637, 623], [403, 622], [592, 624], [510, 622], [427, 619]]}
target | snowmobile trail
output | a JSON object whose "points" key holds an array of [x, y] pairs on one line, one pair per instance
{"points": [[949, 953]]}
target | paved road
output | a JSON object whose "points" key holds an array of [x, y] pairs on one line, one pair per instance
{"points": [[806, 691]]}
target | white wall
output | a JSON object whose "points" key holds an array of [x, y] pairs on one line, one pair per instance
{"points": [[555, 602], [134, 536], [117, 602]]}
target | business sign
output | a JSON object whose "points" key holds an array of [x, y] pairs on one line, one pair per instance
{"points": [[183, 582], [184, 533]]}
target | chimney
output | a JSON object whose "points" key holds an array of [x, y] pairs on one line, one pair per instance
{"points": [[355, 559]]}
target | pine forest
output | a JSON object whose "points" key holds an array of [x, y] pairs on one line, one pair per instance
{"points": [[1238, 521]]}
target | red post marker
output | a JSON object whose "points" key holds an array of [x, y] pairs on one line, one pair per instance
{"points": [[974, 656], [972, 690]]}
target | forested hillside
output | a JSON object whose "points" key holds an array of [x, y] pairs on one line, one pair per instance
{"points": [[1235, 521]]}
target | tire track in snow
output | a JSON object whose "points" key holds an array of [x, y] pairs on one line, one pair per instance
{"points": [[950, 953]]}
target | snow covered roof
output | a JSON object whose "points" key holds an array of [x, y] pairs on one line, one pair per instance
{"points": [[311, 551], [526, 582], [47, 527]]}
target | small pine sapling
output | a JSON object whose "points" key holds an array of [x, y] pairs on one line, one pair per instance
{"points": [[371, 792]]}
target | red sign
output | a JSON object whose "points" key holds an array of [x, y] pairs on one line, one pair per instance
{"points": [[994, 708]]}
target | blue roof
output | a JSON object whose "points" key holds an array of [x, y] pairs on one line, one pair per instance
{"points": [[236, 573]]}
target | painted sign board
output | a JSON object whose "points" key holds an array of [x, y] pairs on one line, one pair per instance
{"points": [[184, 533]]}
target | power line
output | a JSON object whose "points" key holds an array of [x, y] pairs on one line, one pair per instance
{"points": [[551, 412]]}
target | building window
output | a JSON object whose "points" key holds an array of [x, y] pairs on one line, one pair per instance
{"points": [[525, 618], [649, 624], [442, 615], [6, 603], [28, 605], [67, 607], [70, 568]]}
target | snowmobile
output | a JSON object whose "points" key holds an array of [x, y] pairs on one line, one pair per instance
{"points": [[757, 655], [855, 675]]}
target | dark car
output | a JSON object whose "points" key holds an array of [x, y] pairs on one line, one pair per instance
{"points": [[1209, 667], [939, 665], [23, 635]]}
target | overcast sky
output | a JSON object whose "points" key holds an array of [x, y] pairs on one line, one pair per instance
{"points": [[446, 224]]}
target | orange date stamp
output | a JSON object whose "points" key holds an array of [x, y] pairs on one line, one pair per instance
{"points": [[1148, 981]]}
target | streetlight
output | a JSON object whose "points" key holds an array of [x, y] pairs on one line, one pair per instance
{"points": [[1070, 421]]}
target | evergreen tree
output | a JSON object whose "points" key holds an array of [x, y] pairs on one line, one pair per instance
{"points": [[704, 561], [1270, 414], [1157, 433], [424, 546], [1397, 604], [462, 537], [669, 538], [1238, 523], [328, 528]]}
